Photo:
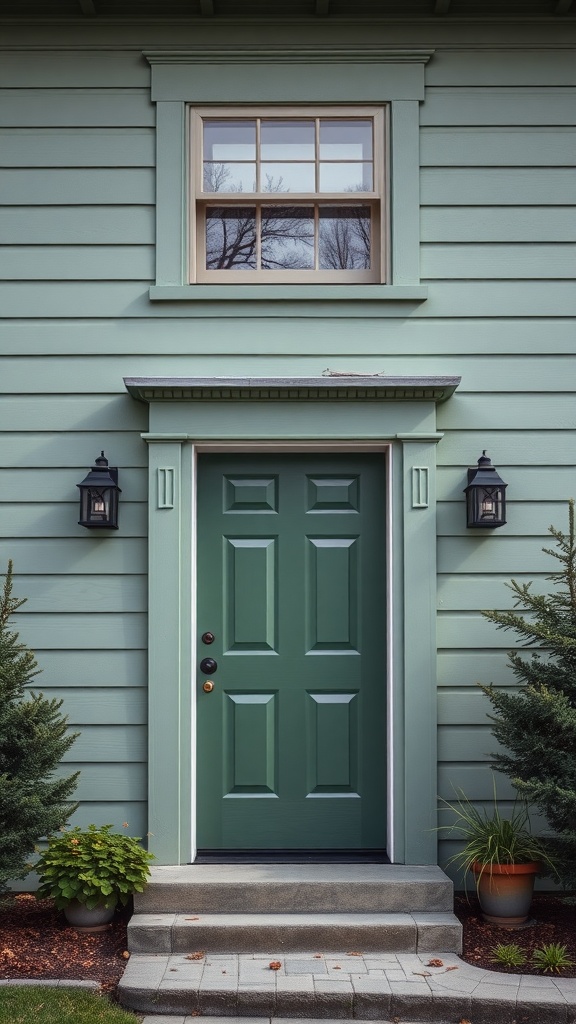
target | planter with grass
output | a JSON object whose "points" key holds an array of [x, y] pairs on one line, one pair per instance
{"points": [[89, 872], [504, 857]]}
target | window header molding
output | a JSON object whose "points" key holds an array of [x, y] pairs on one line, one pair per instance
{"points": [[290, 55], [204, 76], [337, 388]]}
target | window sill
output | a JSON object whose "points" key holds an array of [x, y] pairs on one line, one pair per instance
{"points": [[288, 292]]}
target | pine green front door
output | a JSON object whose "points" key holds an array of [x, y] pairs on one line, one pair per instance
{"points": [[291, 737]]}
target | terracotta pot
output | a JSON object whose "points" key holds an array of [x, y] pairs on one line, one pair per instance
{"points": [[505, 892], [84, 919]]}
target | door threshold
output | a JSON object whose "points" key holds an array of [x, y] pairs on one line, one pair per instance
{"points": [[292, 857]]}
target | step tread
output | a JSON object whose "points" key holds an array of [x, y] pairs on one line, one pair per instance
{"points": [[351, 874], [240, 933], [286, 919], [286, 888]]}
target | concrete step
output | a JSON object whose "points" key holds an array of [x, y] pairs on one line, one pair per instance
{"points": [[295, 888], [257, 933]]}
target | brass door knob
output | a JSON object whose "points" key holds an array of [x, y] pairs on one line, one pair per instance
{"points": [[208, 686]]}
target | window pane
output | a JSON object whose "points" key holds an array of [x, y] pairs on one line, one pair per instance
{"points": [[345, 177], [230, 238], [344, 238], [225, 177], [287, 238], [287, 140], [229, 140], [346, 140], [286, 177]]}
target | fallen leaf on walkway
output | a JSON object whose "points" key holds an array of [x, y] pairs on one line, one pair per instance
{"points": [[191, 918], [196, 956], [318, 956], [354, 954], [336, 968], [435, 963], [454, 967], [275, 965], [423, 974]]}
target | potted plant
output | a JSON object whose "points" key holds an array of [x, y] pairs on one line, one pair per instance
{"points": [[504, 857], [88, 872]]}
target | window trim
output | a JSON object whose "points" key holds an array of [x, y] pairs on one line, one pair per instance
{"points": [[370, 77], [377, 199]]}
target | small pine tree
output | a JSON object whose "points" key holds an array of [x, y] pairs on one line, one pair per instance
{"points": [[537, 724], [33, 740]]}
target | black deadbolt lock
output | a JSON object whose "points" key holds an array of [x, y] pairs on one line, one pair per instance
{"points": [[208, 638], [208, 665]]}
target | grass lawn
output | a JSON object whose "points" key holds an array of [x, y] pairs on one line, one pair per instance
{"points": [[36, 1004]]}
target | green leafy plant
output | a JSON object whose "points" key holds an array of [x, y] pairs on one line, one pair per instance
{"points": [[536, 724], [552, 957], [508, 954], [490, 839], [94, 866], [34, 737]]}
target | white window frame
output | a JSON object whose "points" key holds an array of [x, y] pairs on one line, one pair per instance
{"points": [[376, 199], [349, 78]]}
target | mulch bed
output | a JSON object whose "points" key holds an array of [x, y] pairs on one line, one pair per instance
{"points": [[554, 917], [36, 941]]}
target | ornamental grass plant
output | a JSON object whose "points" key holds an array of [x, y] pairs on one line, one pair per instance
{"points": [[491, 839], [95, 867]]}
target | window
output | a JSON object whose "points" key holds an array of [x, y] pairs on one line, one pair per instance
{"points": [[292, 195]]}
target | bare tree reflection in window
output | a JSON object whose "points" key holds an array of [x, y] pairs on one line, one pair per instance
{"points": [[285, 233], [344, 238]]}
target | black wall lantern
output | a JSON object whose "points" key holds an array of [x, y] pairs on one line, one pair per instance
{"points": [[99, 496], [485, 496]]}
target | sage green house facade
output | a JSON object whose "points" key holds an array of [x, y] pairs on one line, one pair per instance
{"points": [[292, 449]]}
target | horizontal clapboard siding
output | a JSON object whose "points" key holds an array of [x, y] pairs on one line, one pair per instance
{"points": [[110, 782], [77, 263], [65, 375], [68, 668], [497, 147], [73, 147], [78, 556], [103, 705], [470, 224], [557, 482], [64, 186], [447, 299], [499, 106], [52, 485], [498, 186], [126, 69], [60, 519], [137, 340], [513, 67], [525, 519], [76, 108], [77, 226], [474, 262], [115, 743]]}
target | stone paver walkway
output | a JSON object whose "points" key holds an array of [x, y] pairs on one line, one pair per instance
{"points": [[372, 986]]}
